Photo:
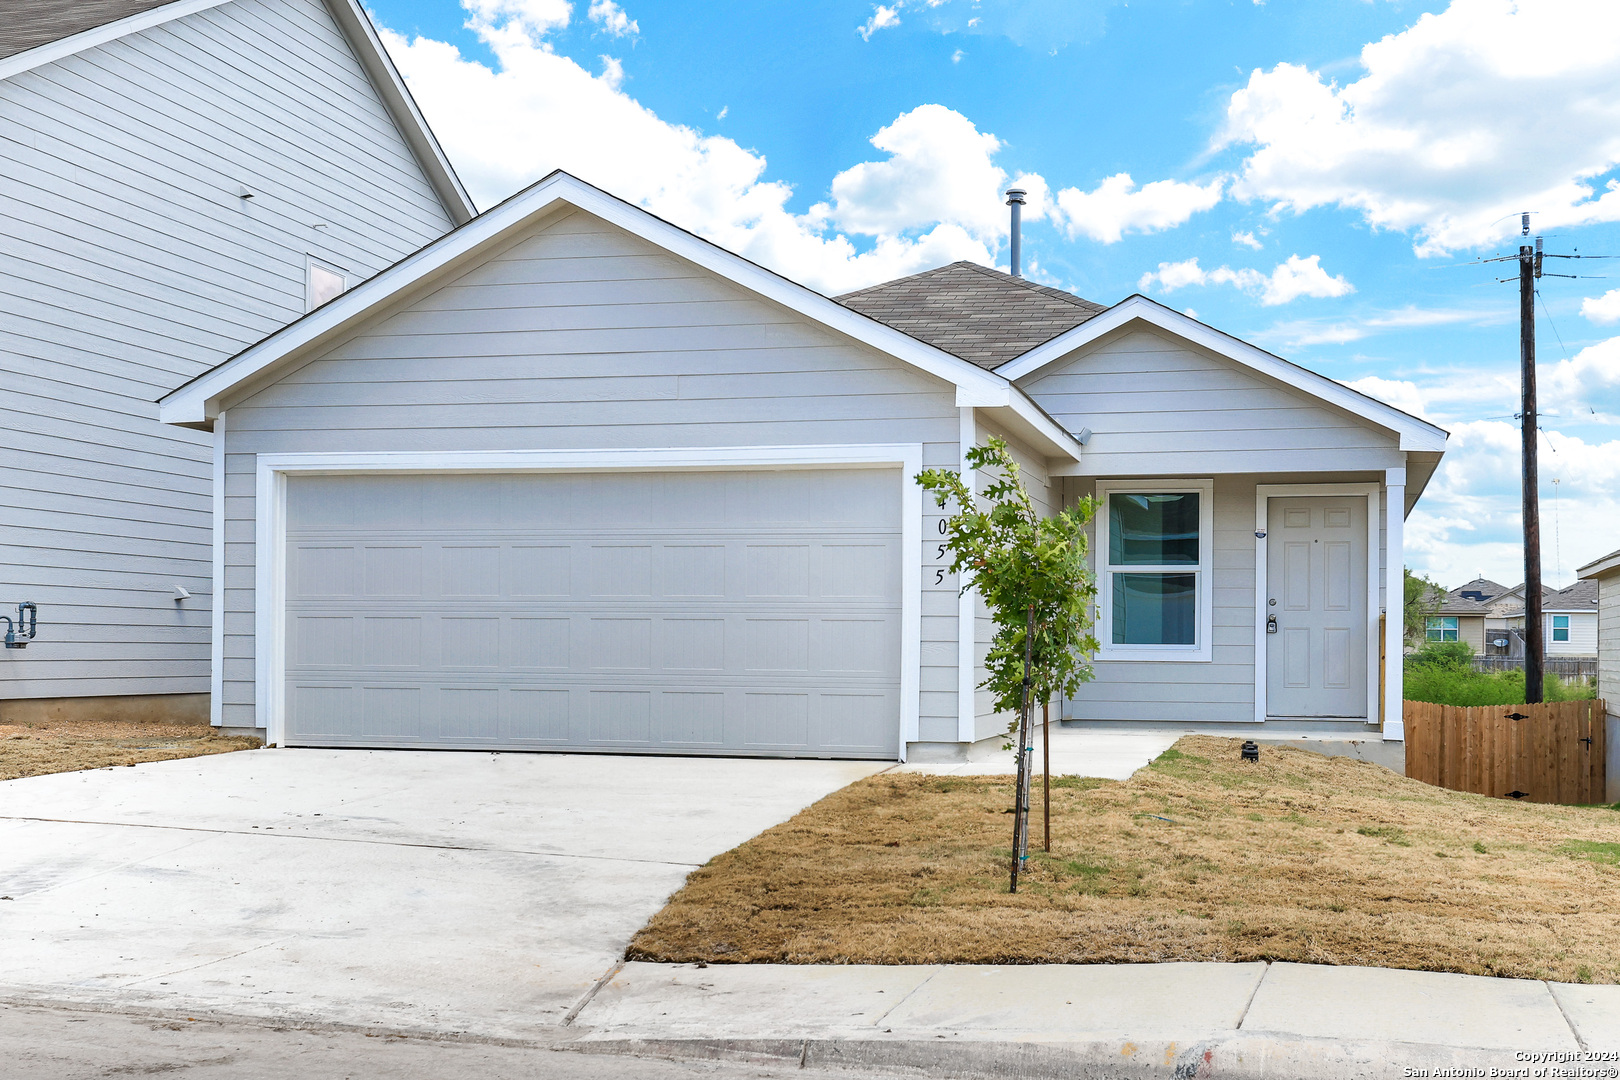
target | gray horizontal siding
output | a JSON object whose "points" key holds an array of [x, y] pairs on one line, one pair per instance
{"points": [[131, 266], [1153, 404], [583, 336]]}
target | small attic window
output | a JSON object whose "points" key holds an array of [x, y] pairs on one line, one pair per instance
{"points": [[322, 284]]}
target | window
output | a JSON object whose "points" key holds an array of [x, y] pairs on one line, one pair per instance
{"points": [[1441, 628], [322, 284], [1153, 555], [1560, 627]]}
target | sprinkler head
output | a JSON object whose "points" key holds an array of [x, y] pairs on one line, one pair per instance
{"points": [[1251, 751]]}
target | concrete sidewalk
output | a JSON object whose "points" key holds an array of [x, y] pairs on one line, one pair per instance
{"points": [[1147, 1020]]}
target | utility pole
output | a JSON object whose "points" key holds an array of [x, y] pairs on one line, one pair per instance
{"points": [[1529, 271]]}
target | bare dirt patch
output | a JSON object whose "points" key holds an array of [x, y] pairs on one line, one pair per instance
{"points": [[1197, 857], [33, 749]]}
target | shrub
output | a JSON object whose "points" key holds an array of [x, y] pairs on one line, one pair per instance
{"points": [[1449, 683]]}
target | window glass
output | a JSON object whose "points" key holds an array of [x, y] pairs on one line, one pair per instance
{"points": [[1155, 609], [1441, 628], [1153, 530], [324, 285], [1560, 627]]}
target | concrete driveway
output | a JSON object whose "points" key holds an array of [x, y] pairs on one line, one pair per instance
{"points": [[435, 891]]}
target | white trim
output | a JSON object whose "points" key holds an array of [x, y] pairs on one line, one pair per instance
{"points": [[199, 401], [356, 25], [61, 48], [1395, 604], [967, 605], [1415, 434], [216, 674], [1203, 651], [271, 530], [1599, 568], [1262, 517]]}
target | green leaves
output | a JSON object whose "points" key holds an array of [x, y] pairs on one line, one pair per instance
{"points": [[1001, 546]]}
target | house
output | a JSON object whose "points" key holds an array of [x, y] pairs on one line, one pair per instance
{"points": [[1469, 613], [181, 179], [1604, 573], [1569, 619], [573, 478]]}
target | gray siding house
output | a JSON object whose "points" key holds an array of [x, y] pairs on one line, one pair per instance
{"points": [[573, 478], [180, 180], [1605, 574]]}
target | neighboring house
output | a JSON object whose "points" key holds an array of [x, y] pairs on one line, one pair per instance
{"points": [[1463, 613], [573, 478], [1569, 619], [181, 179], [1604, 573]]}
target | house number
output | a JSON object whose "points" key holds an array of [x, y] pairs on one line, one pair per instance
{"points": [[941, 551], [939, 575]]}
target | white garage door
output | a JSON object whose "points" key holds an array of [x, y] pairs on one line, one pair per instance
{"points": [[749, 612]]}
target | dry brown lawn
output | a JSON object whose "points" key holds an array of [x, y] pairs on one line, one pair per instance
{"points": [[1197, 857], [34, 749]]}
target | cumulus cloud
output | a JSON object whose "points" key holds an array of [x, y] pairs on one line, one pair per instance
{"points": [[1584, 388], [882, 18], [1290, 280], [1603, 309], [1447, 133], [1468, 521], [1403, 394], [1117, 206], [612, 19], [1246, 239]]}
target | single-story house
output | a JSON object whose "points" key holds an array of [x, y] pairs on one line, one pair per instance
{"points": [[1569, 619], [1604, 573], [1472, 613], [573, 478]]}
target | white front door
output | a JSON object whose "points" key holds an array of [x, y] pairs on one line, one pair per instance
{"points": [[1316, 607]]}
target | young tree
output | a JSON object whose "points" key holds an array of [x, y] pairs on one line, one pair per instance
{"points": [[1032, 572]]}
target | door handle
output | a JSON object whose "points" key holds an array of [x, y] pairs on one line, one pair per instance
{"points": [[1271, 624]]}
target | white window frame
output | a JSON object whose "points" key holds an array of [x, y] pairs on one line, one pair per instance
{"points": [[310, 263], [1455, 628], [1201, 651]]}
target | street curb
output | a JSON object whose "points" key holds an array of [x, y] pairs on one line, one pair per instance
{"points": [[1239, 1056]]}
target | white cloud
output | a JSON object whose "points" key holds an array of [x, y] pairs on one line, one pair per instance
{"points": [[1468, 520], [1401, 393], [1290, 280], [1246, 239], [1318, 332], [1603, 309], [934, 197], [721, 115], [612, 19], [1585, 388], [1118, 206], [1460, 121], [882, 18]]}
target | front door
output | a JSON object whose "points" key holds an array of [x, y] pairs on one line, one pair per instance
{"points": [[1316, 607]]}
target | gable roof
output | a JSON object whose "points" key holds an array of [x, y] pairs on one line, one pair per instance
{"points": [[39, 32], [198, 401], [1415, 434], [982, 315], [1581, 596]]}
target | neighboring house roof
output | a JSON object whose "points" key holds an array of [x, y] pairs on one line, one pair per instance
{"points": [[982, 315], [1474, 598], [32, 23], [1581, 596], [1600, 568], [1415, 434], [39, 32], [197, 403]]}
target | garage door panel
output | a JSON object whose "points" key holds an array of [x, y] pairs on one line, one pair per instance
{"points": [[518, 611]]}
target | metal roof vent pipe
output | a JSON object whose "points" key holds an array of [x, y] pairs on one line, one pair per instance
{"points": [[1015, 199]]}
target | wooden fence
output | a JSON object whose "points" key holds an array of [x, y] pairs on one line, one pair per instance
{"points": [[1550, 753], [1565, 667]]}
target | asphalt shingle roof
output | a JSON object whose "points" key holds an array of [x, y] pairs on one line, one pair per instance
{"points": [[28, 24], [981, 315], [1455, 603]]}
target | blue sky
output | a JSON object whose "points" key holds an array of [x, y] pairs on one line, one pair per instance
{"points": [[1317, 177]]}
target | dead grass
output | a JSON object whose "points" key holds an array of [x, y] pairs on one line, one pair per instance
{"points": [[33, 749], [1198, 857]]}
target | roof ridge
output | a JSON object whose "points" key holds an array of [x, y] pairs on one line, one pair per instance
{"points": [[1034, 286]]}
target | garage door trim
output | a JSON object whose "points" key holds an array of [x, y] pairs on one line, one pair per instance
{"points": [[270, 548]]}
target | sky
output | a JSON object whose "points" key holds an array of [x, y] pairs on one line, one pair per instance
{"points": [[1323, 178]]}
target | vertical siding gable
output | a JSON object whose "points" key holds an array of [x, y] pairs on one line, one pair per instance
{"points": [[1152, 401]]}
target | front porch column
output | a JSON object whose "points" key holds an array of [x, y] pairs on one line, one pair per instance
{"points": [[1394, 602]]}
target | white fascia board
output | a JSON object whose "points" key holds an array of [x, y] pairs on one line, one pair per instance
{"points": [[52, 51], [1415, 434], [197, 402], [1600, 568], [396, 96]]}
